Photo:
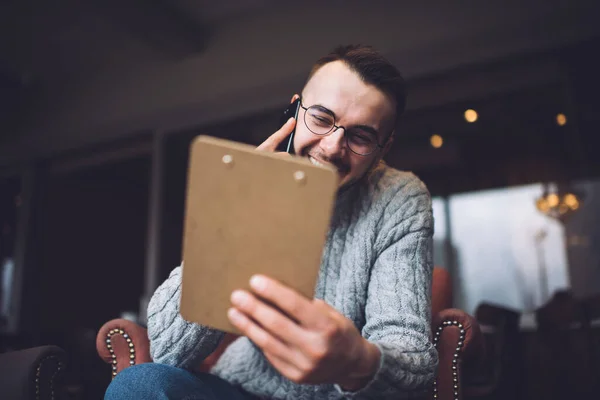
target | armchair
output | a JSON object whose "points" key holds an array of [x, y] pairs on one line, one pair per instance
{"points": [[33, 373], [456, 335]]}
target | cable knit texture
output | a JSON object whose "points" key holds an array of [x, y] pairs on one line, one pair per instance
{"points": [[376, 270]]}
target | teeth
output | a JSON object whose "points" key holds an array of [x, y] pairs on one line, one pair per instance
{"points": [[315, 162], [320, 164]]}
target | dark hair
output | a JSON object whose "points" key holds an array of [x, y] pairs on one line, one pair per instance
{"points": [[372, 68]]}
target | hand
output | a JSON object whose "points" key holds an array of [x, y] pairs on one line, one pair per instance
{"points": [[275, 139], [307, 341]]}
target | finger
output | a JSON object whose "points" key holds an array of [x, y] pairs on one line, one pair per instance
{"points": [[285, 368], [270, 319], [275, 139], [288, 361], [260, 337], [282, 154], [286, 299]]}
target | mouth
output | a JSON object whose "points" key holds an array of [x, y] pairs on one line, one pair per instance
{"points": [[317, 163], [341, 171]]}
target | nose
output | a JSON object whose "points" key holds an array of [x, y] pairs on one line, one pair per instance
{"points": [[334, 144]]}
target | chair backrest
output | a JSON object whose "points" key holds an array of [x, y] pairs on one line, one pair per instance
{"points": [[441, 290]]}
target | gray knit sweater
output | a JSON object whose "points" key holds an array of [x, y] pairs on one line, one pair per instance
{"points": [[376, 270]]}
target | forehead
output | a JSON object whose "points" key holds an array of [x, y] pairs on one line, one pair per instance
{"points": [[337, 87]]}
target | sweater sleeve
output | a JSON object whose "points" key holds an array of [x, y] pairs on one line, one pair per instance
{"points": [[173, 340], [398, 308]]}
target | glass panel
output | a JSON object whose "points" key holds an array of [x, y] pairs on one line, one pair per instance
{"points": [[507, 252]]}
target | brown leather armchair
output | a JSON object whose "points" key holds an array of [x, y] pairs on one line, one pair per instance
{"points": [[34, 373], [456, 335]]}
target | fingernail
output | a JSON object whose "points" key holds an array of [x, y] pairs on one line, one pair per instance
{"points": [[234, 315], [290, 120], [258, 283], [238, 297]]}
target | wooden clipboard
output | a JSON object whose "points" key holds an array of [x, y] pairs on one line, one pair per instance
{"points": [[250, 212]]}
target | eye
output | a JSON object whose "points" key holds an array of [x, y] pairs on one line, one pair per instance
{"points": [[321, 119], [361, 138]]}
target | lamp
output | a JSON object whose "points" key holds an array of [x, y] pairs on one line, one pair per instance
{"points": [[557, 202]]}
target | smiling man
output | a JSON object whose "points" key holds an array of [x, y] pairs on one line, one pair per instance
{"points": [[366, 335]]}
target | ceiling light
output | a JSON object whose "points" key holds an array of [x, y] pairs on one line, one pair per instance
{"points": [[561, 119], [436, 141], [471, 115]]}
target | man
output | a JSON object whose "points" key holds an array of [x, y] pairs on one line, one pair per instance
{"points": [[366, 335]]}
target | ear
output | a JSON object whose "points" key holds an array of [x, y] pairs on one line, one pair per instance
{"points": [[294, 98], [388, 144]]}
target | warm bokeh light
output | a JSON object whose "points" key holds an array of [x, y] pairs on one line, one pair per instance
{"points": [[563, 209], [561, 119], [571, 201], [558, 205], [553, 200], [436, 141], [471, 115], [542, 205]]}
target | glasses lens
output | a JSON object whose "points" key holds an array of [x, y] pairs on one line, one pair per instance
{"points": [[361, 142], [319, 121]]}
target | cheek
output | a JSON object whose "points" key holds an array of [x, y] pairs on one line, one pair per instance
{"points": [[303, 139], [358, 163]]}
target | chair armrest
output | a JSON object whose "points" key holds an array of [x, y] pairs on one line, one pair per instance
{"points": [[32, 373], [122, 343], [458, 340]]}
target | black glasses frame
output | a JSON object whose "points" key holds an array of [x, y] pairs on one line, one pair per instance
{"points": [[334, 128]]}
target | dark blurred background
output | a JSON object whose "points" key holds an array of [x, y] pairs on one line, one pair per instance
{"points": [[99, 101]]}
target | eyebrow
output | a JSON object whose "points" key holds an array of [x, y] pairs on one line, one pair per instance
{"points": [[366, 128]]}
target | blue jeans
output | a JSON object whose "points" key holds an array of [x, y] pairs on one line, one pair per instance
{"points": [[158, 381]]}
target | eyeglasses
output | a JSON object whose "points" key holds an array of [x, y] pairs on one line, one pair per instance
{"points": [[321, 121]]}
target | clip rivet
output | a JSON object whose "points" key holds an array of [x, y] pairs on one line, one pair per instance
{"points": [[228, 160], [300, 176]]}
